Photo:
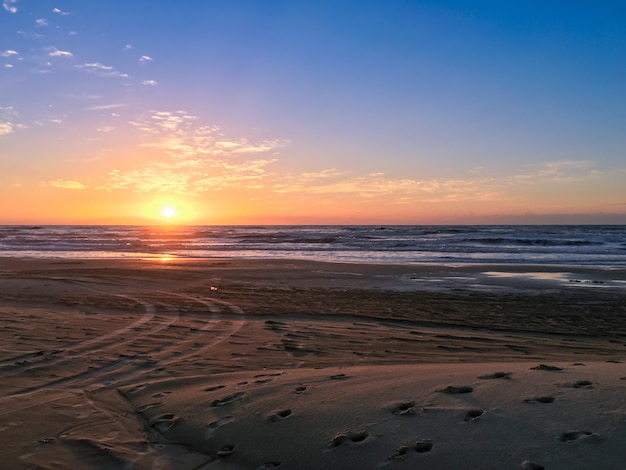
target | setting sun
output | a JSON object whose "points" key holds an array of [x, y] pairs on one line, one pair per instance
{"points": [[168, 212]]}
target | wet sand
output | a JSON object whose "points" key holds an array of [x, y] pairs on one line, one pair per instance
{"points": [[293, 364]]}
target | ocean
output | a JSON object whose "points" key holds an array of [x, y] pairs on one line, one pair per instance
{"points": [[602, 246]]}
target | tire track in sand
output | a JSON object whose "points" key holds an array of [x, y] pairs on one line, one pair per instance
{"points": [[130, 368], [128, 371], [12, 366]]}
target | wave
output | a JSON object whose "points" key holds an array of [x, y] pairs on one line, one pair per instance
{"points": [[526, 241], [599, 245]]}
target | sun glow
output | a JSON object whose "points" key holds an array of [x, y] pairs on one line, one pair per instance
{"points": [[169, 212]]}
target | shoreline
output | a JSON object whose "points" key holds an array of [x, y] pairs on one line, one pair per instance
{"points": [[208, 364], [618, 273]]}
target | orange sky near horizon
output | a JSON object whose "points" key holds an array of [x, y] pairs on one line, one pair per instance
{"points": [[67, 205]]}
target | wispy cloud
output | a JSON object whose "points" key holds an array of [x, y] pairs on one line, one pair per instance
{"points": [[106, 106], [189, 158], [145, 58], [84, 96], [64, 184], [411, 191], [7, 117], [177, 131], [402, 190], [149, 83], [41, 22], [60, 12], [9, 53], [54, 52], [9, 5], [6, 127], [102, 70], [30, 35], [559, 171]]}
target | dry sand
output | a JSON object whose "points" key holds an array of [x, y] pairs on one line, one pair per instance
{"points": [[232, 364]]}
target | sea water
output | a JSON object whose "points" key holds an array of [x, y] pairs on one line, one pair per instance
{"points": [[571, 245]]}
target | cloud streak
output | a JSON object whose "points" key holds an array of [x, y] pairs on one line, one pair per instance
{"points": [[54, 52], [64, 184], [9, 5], [374, 185], [189, 159], [104, 107], [6, 127], [102, 70], [7, 116], [561, 171], [410, 191]]}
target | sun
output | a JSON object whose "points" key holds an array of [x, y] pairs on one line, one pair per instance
{"points": [[169, 212]]}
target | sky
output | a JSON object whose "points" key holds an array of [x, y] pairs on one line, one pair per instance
{"points": [[312, 112]]}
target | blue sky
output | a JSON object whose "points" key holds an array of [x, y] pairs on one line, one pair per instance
{"points": [[313, 112]]}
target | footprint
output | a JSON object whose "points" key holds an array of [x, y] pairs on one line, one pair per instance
{"points": [[215, 425], [420, 447], [273, 325], [263, 381], [540, 400], [226, 450], [497, 375], [279, 415], [582, 384], [338, 377], [269, 465], [300, 390], [400, 452], [472, 415], [355, 437], [546, 367], [454, 390], [136, 389], [147, 406], [229, 399], [576, 435], [165, 422], [528, 465], [423, 446], [212, 389], [45, 441], [404, 409], [160, 395]]}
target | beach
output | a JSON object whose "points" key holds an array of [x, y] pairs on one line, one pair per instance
{"points": [[235, 363]]}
